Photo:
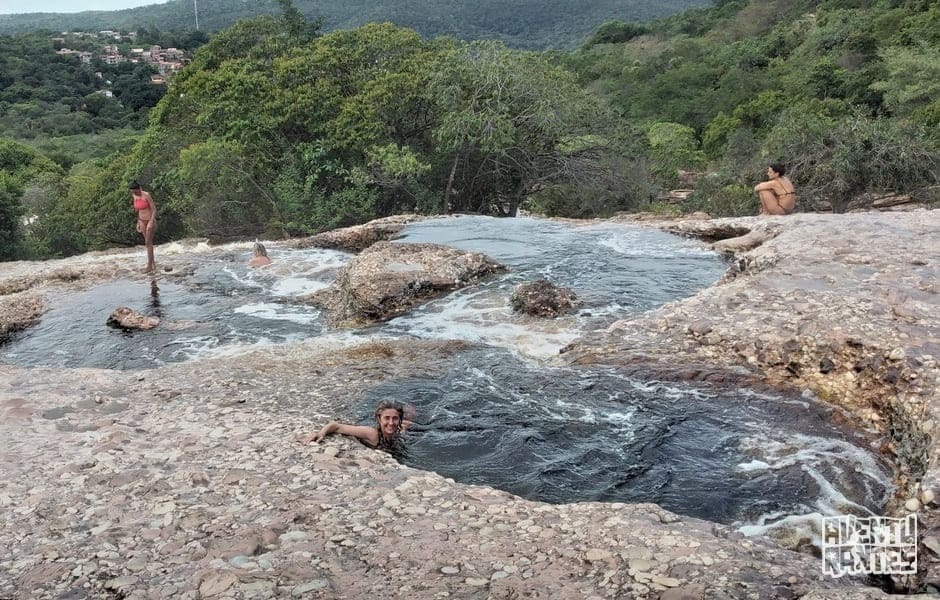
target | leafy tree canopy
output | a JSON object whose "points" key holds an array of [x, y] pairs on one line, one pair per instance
{"points": [[293, 133], [844, 91]]}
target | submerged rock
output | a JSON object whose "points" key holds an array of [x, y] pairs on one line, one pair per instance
{"points": [[542, 298], [126, 318], [389, 279]]}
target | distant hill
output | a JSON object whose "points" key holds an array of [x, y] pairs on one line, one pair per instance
{"points": [[533, 24]]}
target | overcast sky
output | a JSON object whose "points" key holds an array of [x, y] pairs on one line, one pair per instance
{"points": [[68, 6]]}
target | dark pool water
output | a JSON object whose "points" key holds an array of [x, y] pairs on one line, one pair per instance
{"points": [[570, 435]]}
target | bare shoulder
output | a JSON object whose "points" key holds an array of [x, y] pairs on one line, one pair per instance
{"points": [[362, 432]]}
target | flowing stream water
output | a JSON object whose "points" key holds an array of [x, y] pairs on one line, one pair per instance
{"points": [[499, 415]]}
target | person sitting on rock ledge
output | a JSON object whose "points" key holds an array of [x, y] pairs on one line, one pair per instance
{"points": [[391, 419], [777, 194]]}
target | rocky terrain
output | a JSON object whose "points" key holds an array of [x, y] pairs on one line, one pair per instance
{"points": [[187, 481], [389, 279]]}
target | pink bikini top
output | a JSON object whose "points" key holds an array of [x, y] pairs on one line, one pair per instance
{"points": [[140, 203]]}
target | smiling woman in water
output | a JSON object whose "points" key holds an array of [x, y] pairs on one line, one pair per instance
{"points": [[391, 419]]}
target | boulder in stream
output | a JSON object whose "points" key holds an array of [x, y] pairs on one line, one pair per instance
{"points": [[388, 279], [542, 298], [126, 318]]}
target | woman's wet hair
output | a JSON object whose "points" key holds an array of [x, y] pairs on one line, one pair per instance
{"points": [[260, 249], [133, 185], [778, 168]]}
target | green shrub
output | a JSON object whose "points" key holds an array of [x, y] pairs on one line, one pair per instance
{"points": [[836, 160], [720, 198], [673, 147]]}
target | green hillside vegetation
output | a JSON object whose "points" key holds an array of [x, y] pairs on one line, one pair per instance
{"points": [[531, 24], [44, 94], [27, 187], [276, 129], [846, 92], [75, 111]]}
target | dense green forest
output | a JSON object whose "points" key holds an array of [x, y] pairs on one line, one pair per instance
{"points": [[532, 24], [278, 129], [844, 91], [74, 111]]}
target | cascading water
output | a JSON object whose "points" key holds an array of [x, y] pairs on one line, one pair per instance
{"points": [[497, 415]]}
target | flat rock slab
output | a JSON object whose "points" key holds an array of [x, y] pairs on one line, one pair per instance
{"points": [[19, 311], [187, 479]]}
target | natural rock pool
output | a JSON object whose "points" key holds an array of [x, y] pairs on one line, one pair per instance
{"points": [[497, 415], [559, 435]]}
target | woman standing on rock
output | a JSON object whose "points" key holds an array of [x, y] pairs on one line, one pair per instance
{"points": [[777, 194], [146, 220]]}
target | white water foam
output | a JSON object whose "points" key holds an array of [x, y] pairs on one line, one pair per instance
{"points": [[814, 456], [638, 244], [807, 525], [280, 312], [483, 316], [298, 286]]}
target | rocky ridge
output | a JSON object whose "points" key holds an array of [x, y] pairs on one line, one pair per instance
{"points": [[186, 481], [842, 305]]}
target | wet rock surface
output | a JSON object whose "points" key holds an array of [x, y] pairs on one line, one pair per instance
{"points": [[842, 305], [389, 279], [187, 481], [358, 237], [126, 318], [542, 298], [19, 311]]}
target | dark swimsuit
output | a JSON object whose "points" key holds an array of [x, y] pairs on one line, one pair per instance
{"points": [[790, 210], [394, 446]]}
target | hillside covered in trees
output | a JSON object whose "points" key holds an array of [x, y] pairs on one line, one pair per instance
{"points": [[278, 129], [533, 24], [846, 92]]}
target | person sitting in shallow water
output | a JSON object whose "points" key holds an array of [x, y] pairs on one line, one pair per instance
{"points": [[391, 419], [777, 194], [260, 256]]}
